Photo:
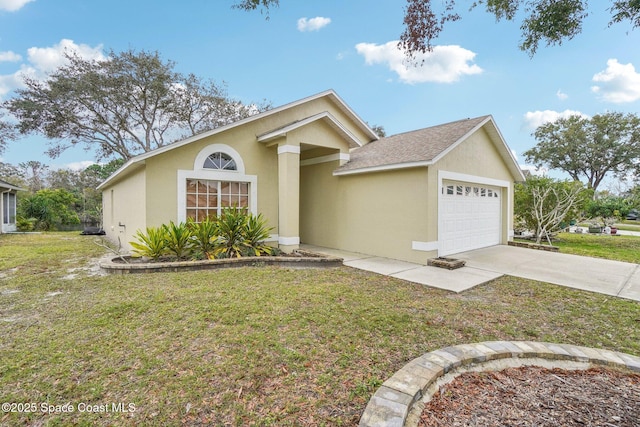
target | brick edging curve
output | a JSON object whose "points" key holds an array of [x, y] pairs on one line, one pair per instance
{"points": [[392, 402]]}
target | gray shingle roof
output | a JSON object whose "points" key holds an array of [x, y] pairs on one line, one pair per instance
{"points": [[417, 146]]}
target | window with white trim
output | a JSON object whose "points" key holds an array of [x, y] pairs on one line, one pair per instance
{"points": [[220, 161], [469, 191], [217, 181], [207, 198]]}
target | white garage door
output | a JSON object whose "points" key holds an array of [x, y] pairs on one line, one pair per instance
{"points": [[470, 217]]}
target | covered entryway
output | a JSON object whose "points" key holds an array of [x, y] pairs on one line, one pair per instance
{"points": [[469, 216]]}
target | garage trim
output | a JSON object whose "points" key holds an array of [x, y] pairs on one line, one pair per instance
{"points": [[460, 177]]}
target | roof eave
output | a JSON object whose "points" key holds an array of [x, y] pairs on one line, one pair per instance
{"points": [[382, 168], [328, 93], [126, 167], [5, 186]]}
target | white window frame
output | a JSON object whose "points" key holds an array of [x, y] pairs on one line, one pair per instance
{"points": [[200, 172]]}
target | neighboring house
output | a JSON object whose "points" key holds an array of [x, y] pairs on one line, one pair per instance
{"points": [[8, 206], [321, 176]]}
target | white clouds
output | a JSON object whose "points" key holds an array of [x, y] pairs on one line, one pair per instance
{"points": [[313, 24], [619, 83], [46, 59], [79, 166], [535, 119], [13, 5], [561, 95], [445, 64], [9, 56], [11, 81], [43, 60]]}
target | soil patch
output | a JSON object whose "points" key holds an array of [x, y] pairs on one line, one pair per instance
{"points": [[536, 396]]}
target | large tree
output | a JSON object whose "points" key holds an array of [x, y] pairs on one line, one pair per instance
{"points": [[543, 21], [130, 103], [589, 148], [35, 174], [7, 132]]}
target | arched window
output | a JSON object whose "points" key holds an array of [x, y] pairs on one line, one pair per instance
{"points": [[217, 181], [220, 161]]}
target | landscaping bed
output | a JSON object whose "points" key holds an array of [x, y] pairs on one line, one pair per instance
{"points": [[536, 396], [297, 259]]}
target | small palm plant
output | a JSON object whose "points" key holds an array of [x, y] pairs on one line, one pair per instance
{"points": [[203, 234], [152, 243], [230, 241], [256, 232], [178, 239]]}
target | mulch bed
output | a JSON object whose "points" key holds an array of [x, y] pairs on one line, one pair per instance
{"points": [[535, 396]]}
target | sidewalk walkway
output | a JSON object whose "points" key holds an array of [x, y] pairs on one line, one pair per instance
{"points": [[615, 278]]}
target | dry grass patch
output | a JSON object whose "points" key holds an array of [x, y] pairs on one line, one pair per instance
{"points": [[250, 346]]}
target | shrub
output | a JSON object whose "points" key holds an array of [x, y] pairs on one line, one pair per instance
{"points": [[241, 234], [202, 234], [256, 232], [50, 208], [234, 234], [230, 241], [152, 244], [25, 224], [178, 239]]}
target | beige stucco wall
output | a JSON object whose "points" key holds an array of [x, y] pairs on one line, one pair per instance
{"points": [[158, 187], [375, 213], [123, 208], [477, 157], [392, 213]]}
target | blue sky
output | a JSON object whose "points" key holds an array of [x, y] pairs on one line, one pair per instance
{"points": [[347, 45]]}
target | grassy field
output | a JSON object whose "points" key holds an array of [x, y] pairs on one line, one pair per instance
{"points": [[620, 248], [249, 346]]}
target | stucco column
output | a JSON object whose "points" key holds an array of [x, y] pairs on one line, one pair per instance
{"points": [[288, 196]]}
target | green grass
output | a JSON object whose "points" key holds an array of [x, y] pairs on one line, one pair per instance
{"points": [[620, 248], [249, 346], [628, 225]]}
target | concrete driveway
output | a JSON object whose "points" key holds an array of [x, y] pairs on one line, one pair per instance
{"points": [[615, 278]]}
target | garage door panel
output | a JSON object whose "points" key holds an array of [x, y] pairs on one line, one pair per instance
{"points": [[471, 217]]}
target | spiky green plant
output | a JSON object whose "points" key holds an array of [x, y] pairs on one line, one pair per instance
{"points": [[178, 239], [152, 243], [203, 235], [256, 232], [230, 241]]}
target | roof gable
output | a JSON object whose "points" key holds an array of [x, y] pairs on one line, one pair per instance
{"points": [[329, 94], [424, 147], [325, 116]]}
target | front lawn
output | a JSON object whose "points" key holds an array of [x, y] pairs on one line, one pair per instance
{"points": [[248, 346], [620, 248]]}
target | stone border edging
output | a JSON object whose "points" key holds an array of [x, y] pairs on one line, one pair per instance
{"points": [[294, 262], [392, 402], [531, 245]]}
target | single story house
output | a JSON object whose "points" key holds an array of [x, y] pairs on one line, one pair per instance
{"points": [[321, 176], [8, 206]]}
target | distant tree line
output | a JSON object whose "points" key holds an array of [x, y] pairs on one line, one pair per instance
{"points": [[57, 198]]}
